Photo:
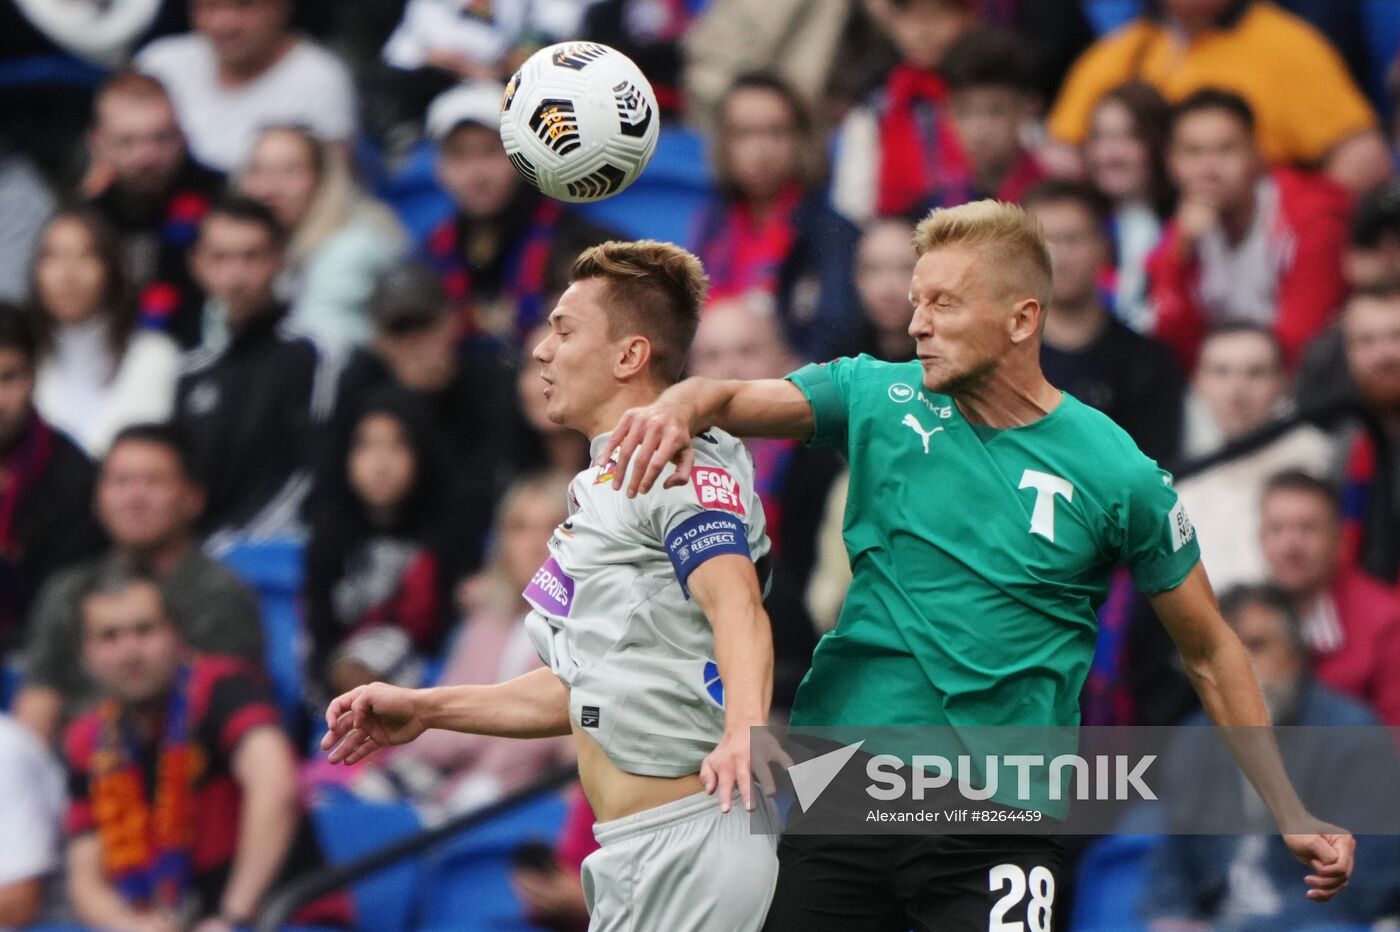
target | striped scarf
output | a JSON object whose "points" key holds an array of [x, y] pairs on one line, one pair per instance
{"points": [[146, 847]]}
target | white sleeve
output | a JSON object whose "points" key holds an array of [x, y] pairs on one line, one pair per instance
{"points": [[31, 785], [333, 92]]}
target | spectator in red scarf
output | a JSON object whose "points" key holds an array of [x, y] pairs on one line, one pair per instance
{"points": [[46, 483], [148, 187], [184, 791], [1370, 504], [992, 79], [771, 232], [900, 148], [507, 247], [1246, 243], [1350, 621]]}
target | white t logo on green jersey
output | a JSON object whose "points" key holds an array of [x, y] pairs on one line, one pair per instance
{"points": [[1046, 488]]}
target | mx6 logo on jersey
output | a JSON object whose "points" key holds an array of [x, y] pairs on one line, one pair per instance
{"points": [[717, 489]]}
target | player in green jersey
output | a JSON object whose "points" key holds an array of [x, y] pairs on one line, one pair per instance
{"points": [[986, 511]]}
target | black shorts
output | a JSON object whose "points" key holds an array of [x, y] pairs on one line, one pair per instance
{"points": [[931, 883]]}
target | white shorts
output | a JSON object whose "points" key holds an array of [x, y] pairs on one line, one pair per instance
{"points": [[683, 867]]}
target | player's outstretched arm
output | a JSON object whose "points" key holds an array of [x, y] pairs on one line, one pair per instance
{"points": [[1219, 668], [726, 589], [360, 722], [660, 432]]}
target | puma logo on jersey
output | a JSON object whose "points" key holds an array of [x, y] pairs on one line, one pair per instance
{"points": [[911, 422]]}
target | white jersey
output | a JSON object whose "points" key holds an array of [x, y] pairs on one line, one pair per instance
{"points": [[613, 618]]}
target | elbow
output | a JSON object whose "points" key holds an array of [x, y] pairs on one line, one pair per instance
{"points": [[19, 903]]}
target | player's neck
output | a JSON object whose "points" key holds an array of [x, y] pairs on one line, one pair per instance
{"points": [[1010, 396], [605, 416]]}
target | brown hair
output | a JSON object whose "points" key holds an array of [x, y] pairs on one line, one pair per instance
{"points": [[654, 289], [809, 168], [1151, 116], [132, 85], [118, 302], [1008, 236]]}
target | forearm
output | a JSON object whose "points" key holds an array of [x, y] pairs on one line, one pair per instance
{"points": [[1230, 694], [533, 705], [744, 655], [766, 408], [95, 901], [266, 828]]}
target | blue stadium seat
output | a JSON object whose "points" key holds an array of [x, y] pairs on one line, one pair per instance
{"points": [[274, 570], [1381, 23], [662, 204], [665, 202], [1108, 15], [1111, 880], [468, 888], [349, 827]]}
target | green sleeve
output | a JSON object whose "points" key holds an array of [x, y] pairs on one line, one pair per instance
{"points": [[826, 387], [1159, 543]]}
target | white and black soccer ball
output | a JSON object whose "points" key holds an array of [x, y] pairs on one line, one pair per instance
{"points": [[579, 121]]}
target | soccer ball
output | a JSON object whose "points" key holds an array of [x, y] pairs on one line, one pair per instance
{"points": [[579, 121]]}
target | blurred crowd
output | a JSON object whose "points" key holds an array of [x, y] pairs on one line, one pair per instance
{"points": [[268, 280]]}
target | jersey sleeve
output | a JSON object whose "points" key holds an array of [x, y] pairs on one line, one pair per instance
{"points": [[714, 513], [1159, 542], [827, 389]]}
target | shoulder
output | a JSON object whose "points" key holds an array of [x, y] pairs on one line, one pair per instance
{"points": [[151, 348], [309, 59], [1117, 457], [183, 51], [80, 739], [1366, 598], [62, 590], [1286, 32], [865, 372], [1305, 195], [212, 577], [1326, 706]]}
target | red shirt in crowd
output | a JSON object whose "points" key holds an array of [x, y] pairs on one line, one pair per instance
{"points": [[227, 700], [1287, 272]]}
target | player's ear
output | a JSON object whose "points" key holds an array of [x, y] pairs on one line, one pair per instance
{"points": [[634, 359], [1026, 318]]}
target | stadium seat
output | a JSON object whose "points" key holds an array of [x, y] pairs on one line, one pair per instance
{"points": [[1108, 15], [662, 204], [1111, 880], [274, 570], [665, 202], [467, 887], [1381, 24], [348, 828]]}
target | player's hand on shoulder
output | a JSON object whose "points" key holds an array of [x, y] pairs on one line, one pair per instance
{"points": [[368, 718], [1330, 852], [651, 437]]}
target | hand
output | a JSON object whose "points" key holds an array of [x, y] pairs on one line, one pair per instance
{"points": [[155, 922], [214, 924], [1195, 217], [730, 763], [551, 897], [369, 718], [1330, 853], [657, 434]]}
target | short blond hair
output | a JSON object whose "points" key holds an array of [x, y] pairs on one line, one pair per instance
{"points": [[653, 288], [1009, 237]]}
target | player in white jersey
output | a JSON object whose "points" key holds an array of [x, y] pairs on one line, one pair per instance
{"points": [[649, 614]]}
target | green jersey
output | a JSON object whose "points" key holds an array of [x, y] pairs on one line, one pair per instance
{"points": [[978, 555]]}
